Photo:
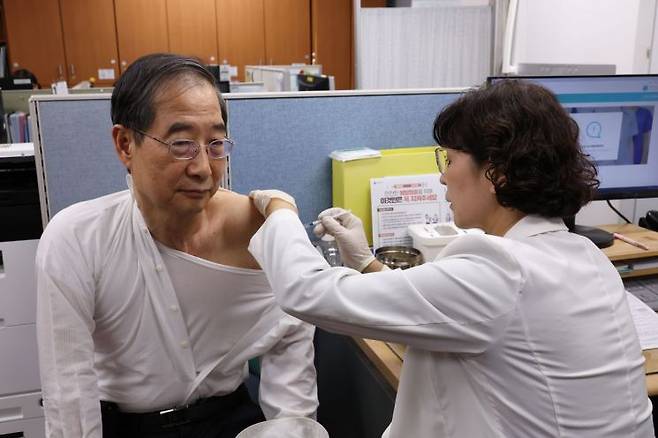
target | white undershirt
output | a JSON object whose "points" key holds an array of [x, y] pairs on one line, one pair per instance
{"points": [[216, 317]]}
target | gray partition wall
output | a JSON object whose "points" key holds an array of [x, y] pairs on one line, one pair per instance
{"points": [[73, 149], [282, 140]]}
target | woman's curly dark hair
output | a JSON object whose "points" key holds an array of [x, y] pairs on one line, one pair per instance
{"points": [[527, 142]]}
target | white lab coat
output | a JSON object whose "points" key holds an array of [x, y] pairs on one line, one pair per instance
{"points": [[524, 336]]}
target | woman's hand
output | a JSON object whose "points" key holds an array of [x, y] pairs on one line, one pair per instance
{"points": [[348, 231], [268, 201]]}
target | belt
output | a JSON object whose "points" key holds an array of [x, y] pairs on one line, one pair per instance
{"points": [[178, 416]]}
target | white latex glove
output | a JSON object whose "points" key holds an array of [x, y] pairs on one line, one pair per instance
{"points": [[262, 198], [349, 234]]}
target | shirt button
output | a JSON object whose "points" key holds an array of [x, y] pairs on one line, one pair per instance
{"points": [[173, 308], [184, 344], [158, 268]]}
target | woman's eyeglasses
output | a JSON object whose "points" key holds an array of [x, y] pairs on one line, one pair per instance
{"points": [[442, 161]]}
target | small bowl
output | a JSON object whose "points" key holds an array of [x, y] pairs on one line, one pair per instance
{"points": [[402, 257]]}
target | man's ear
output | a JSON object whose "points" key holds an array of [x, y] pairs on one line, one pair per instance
{"points": [[124, 143]]}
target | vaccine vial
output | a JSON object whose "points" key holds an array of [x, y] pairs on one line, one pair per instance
{"points": [[329, 250]]}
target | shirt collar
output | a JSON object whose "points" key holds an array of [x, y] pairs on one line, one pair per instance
{"points": [[129, 183], [531, 225]]}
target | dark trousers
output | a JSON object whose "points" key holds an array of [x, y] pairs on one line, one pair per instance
{"points": [[214, 417]]}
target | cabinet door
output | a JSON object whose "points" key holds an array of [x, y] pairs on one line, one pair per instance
{"points": [[332, 40], [141, 29], [90, 40], [193, 29], [34, 36], [241, 36], [287, 31]]}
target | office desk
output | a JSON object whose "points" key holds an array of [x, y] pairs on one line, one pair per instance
{"points": [[639, 262], [387, 357]]}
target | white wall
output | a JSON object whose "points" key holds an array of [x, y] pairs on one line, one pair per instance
{"points": [[617, 32], [423, 47], [584, 32], [449, 43], [598, 212]]}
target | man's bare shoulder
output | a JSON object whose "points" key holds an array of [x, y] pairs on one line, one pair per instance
{"points": [[236, 215]]}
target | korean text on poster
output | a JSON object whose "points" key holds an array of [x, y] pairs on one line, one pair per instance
{"points": [[399, 201]]}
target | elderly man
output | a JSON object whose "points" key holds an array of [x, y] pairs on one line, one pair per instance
{"points": [[149, 304]]}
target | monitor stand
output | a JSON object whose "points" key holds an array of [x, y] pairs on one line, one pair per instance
{"points": [[601, 238]]}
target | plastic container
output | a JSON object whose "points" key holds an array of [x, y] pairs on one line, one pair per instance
{"points": [[295, 427], [431, 238]]}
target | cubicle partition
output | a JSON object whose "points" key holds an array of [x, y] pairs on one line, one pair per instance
{"points": [[282, 141], [18, 100]]}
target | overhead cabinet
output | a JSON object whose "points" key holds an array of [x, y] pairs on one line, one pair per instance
{"points": [[287, 31], [193, 28], [77, 40], [241, 33], [333, 38], [90, 41], [34, 33], [141, 28], [71, 40]]}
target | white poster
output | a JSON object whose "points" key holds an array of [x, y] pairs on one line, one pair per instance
{"points": [[399, 201]]}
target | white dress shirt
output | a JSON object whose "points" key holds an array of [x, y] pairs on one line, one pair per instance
{"points": [[111, 326], [529, 335]]}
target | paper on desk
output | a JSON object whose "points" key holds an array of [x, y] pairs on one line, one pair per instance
{"points": [[646, 322]]}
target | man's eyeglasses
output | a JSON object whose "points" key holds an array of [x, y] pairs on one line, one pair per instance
{"points": [[442, 161], [189, 149]]}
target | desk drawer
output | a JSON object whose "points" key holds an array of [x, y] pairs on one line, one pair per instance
{"points": [[34, 428], [19, 367], [22, 414], [18, 293]]}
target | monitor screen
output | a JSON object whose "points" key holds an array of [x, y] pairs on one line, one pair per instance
{"points": [[615, 116], [12, 83], [308, 82]]}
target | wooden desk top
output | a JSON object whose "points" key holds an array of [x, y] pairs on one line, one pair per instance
{"points": [[621, 252], [387, 357]]}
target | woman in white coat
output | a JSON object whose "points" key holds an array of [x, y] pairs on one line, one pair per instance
{"points": [[521, 332]]}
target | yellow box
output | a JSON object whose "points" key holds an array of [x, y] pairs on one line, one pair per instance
{"points": [[351, 179]]}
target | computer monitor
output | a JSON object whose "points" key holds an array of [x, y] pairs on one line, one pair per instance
{"points": [[309, 82], [615, 116], [222, 86], [12, 83]]}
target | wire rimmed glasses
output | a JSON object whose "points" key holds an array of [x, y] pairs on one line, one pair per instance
{"points": [[441, 157], [184, 149]]}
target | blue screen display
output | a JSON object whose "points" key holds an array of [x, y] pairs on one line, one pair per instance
{"points": [[615, 116]]}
